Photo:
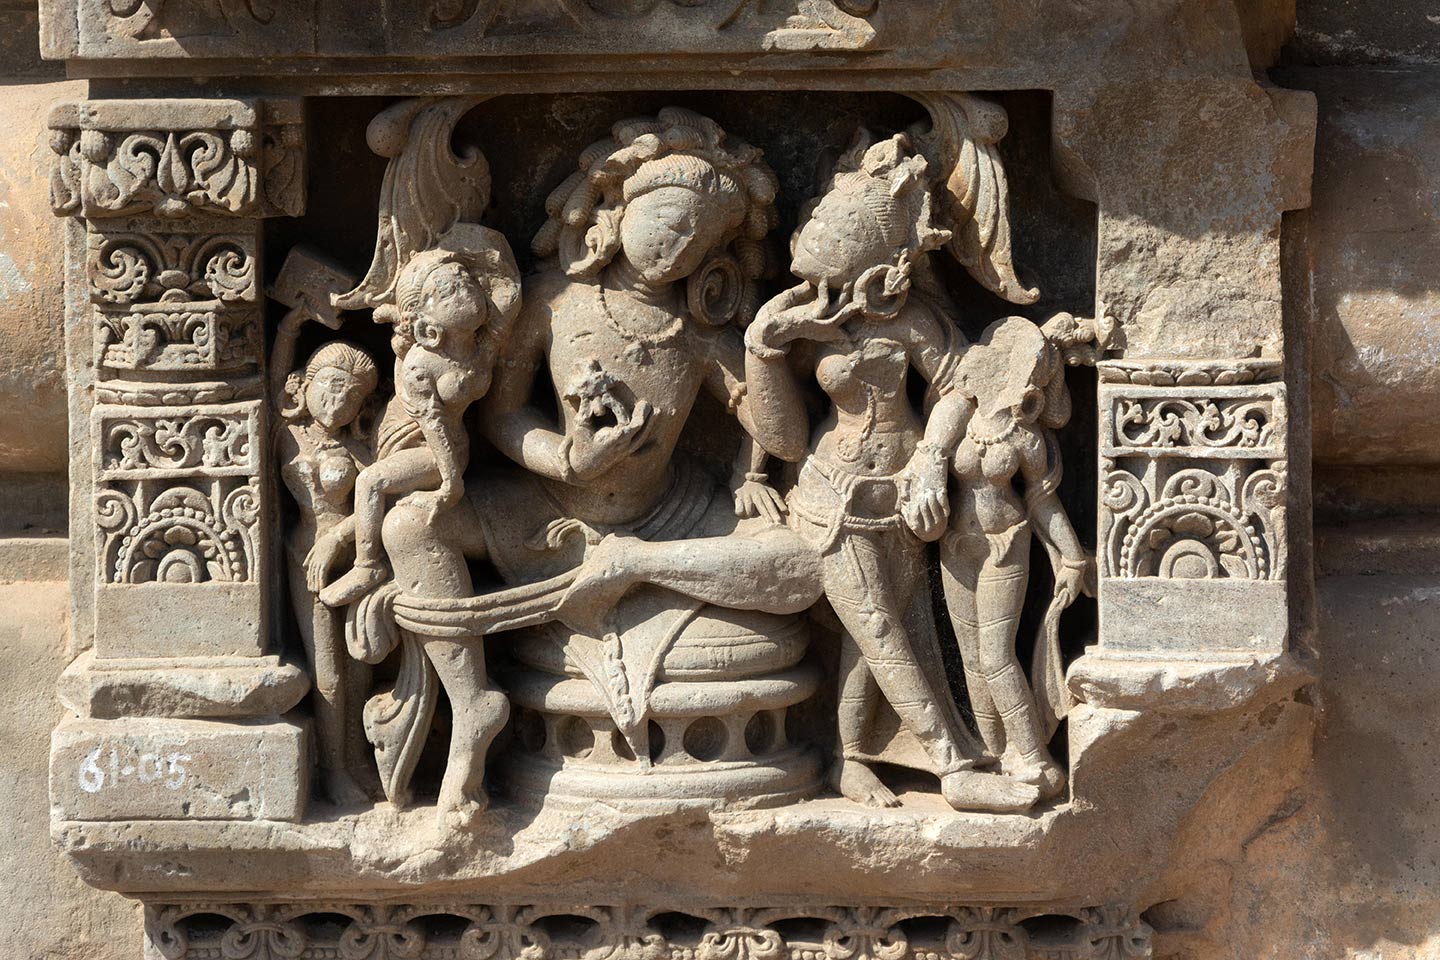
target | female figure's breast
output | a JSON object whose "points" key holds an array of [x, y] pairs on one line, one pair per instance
{"points": [[873, 429]]}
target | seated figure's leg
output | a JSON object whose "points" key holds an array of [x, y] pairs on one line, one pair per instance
{"points": [[775, 571], [429, 559], [402, 472]]}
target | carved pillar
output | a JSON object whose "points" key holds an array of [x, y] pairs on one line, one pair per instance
{"points": [[172, 501], [1192, 531]]}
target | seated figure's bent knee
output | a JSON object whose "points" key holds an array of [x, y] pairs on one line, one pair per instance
{"points": [[404, 528]]}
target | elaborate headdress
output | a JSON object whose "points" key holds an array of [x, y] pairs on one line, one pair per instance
{"points": [[973, 195], [428, 190], [677, 148], [880, 196]]}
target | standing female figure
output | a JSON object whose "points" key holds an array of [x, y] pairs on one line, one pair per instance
{"points": [[997, 428], [858, 253], [323, 447]]}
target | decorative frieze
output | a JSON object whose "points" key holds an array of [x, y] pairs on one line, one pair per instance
{"points": [[152, 443], [464, 931]]}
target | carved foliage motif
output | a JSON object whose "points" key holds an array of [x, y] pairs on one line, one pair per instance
{"points": [[109, 164], [194, 532], [1194, 482], [171, 191], [150, 266], [198, 341], [168, 173], [1168, 424], [473, 932], [204, 441], [177, 497]]}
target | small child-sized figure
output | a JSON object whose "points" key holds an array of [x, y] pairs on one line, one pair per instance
{"points": [[457, 302]]}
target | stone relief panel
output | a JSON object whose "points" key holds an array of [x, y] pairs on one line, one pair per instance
{"points": [[223, 157], [661, 633], [1194, 471], [674, 491]]}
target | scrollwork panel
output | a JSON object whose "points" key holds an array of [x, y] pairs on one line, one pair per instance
{"points": [[1193, 508], [162, 442], [457, 931]]}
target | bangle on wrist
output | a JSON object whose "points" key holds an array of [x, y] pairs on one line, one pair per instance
{"points": [[567, 469], [752, 476]]}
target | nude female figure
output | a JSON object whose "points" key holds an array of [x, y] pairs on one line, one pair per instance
{"points": [[322, 448], [456, 303], [996, 431]]}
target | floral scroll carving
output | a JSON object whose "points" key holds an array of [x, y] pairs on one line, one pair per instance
{"points": [[151, 445], [1194, 482], [147, 265], [1178, 422], [479, 932], [105, 168]]}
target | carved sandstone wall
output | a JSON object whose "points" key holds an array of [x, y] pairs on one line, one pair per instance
{"points": [[1243, 773]]}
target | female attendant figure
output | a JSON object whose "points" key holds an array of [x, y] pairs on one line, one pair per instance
{"points": [[997, 428], [456, 305], [323, 447], [858, 254]]}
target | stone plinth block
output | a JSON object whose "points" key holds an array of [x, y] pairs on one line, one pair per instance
{"points": [[1198, 616], [187, 687], [144, 769], [199, 619]]}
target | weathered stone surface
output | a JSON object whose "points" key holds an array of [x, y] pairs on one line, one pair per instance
{"points": [[32, 369], [148, 769], [47, 910], [181, 687], [1344, 863], [1374, 237], [1352, 32]]}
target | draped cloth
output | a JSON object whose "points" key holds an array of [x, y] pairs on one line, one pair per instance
{"points": [[537, 550]]}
